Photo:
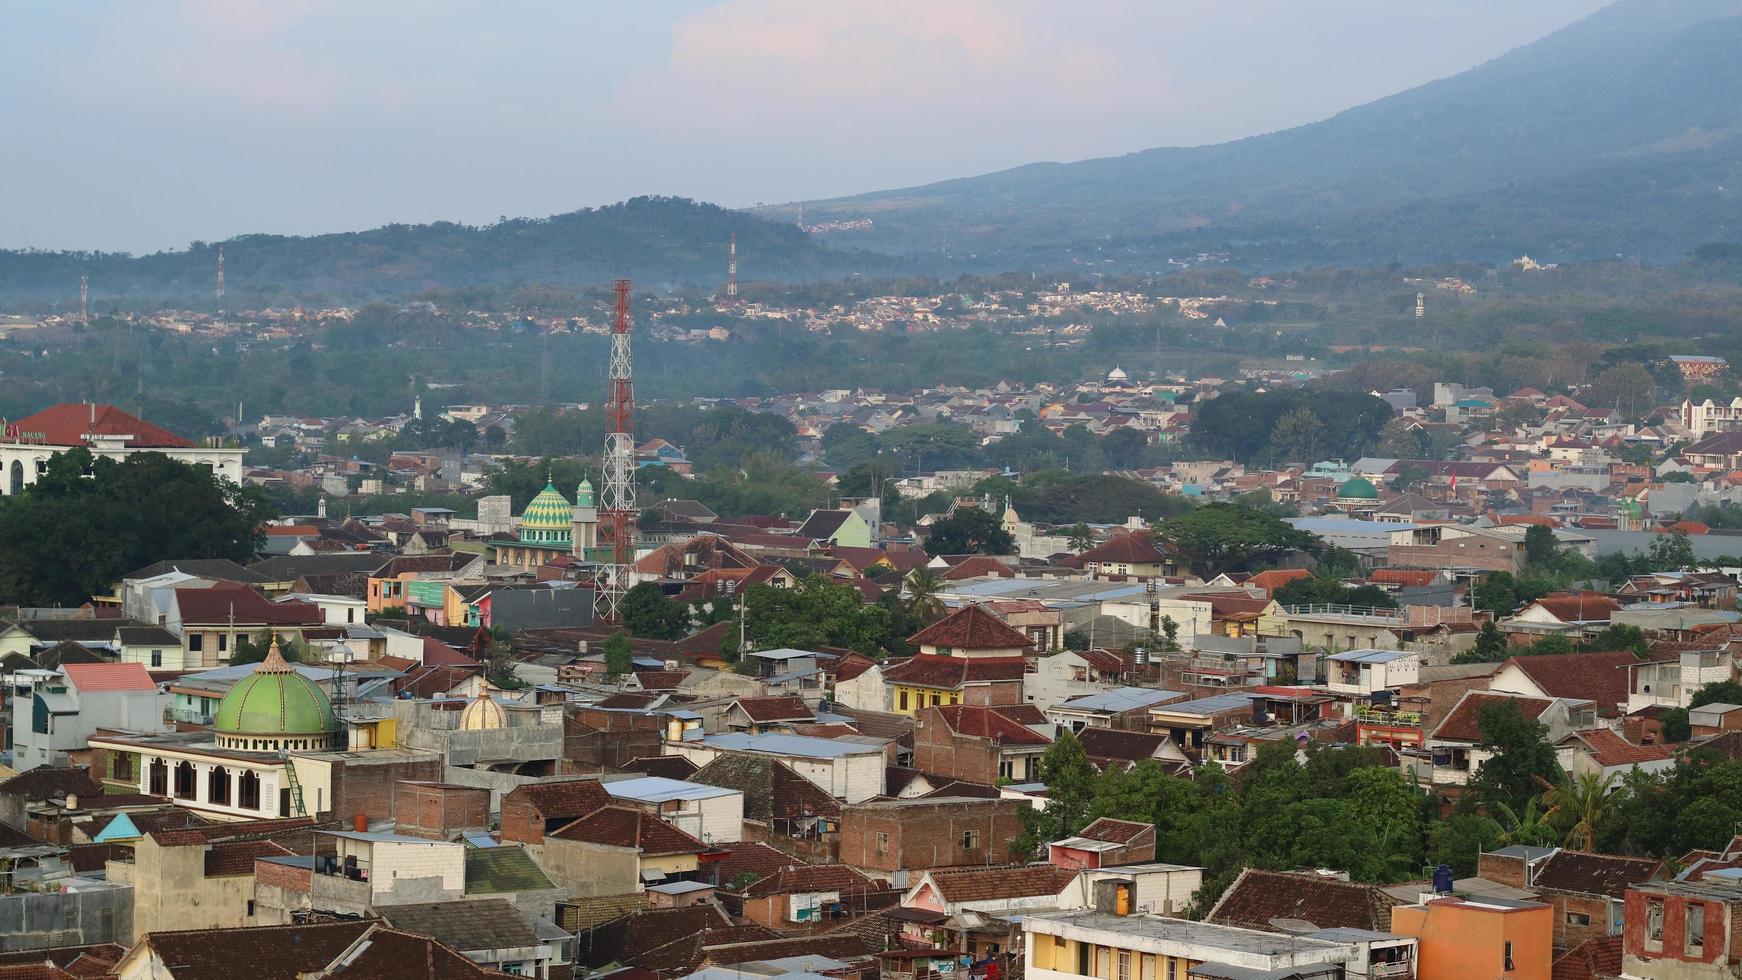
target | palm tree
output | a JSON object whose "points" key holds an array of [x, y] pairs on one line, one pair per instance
{"points": [[1581, 802], [1080, 538], [923, 586]]}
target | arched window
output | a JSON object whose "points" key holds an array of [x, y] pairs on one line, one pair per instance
{"points": [[248, 790], [158, 780], [17, 477], [218, 786], [186, 782]]}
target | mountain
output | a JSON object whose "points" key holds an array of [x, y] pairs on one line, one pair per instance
{"points": [[1621, 133], [659, 242]]}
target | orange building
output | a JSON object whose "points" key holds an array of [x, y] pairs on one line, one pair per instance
{"points": [[1465, 939]]}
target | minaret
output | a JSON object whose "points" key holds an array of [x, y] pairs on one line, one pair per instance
{"points": [[1420, 306], [85, 300], [417, 407], [732, 271]]}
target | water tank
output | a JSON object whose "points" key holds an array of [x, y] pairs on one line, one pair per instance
{"points": [[1443, 879]]}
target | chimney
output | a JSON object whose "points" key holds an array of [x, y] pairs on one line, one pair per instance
{"points": [[360, 823]]}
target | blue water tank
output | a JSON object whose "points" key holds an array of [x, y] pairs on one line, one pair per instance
{"points": [[1443, 879]]}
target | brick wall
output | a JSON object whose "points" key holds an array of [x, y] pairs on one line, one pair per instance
{"points": [[438, 810], [1501, 868], [939, 751], [521, 820], [367, 787], [275, 875], [1477, 552], [996, 692], [928, 834], [595, 739], [1594, 908]]}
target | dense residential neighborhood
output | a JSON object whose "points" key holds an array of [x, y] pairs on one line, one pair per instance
{"points": [[909, 734]]}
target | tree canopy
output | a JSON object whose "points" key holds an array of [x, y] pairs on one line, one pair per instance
{"points": [[86, 522], [1219, 537]]}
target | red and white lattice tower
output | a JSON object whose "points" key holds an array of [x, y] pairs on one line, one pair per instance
{"points": [[732, 271], [617, 513]]}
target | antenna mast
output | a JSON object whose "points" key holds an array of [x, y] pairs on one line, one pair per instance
{"points": [[732, 271], [85, 300], [220, 273], [617, 515]]}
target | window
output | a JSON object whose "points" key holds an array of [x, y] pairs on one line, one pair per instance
{"points": [[971, 840], [218, 786], [1654, 920], [196, 641], [122, 767], [901, 700], [1694, 928], [1509, 966], [1578, 919], [248, 791], [186, 783], [223, 642], [157, 658], [250, 908], [882, 842], [1124, 966]]}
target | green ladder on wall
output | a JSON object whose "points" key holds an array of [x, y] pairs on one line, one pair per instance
{"points": [[296, 807]]}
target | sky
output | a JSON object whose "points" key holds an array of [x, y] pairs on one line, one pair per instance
{"points": [[139, 127]]}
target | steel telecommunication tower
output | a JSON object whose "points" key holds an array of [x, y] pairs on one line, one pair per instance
{"points": [[85, 300], [617, 513], [220, 273]]}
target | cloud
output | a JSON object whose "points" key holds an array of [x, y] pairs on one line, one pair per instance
{"points": [[870, 71], [255, 54]]}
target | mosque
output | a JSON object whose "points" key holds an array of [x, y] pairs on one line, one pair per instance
{"points": [[551, 527]]}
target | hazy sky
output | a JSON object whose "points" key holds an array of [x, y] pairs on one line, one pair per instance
{"points": [[143, 126]]}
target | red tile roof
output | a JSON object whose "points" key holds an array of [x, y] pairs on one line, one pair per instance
{"points": [[979, 721], [1124, 549], [1103, 745], [1461, 723], [929, 670], [1590, 960], [222, 604], [978, 566], [1408, 577], [619, 826], [971, 628], [1609, 749], [1275, 578], [752, 857], [562, 799], [1597, 677], [217, 954], [70, 424], [109, 677]]}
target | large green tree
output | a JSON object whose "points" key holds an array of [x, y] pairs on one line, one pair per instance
{"points": [[1219, 538], [1520, 762], [969, 531], [86, 522], [647, 612], [813, 614]]}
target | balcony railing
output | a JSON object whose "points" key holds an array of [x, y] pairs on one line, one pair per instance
{"points": [[1335, 610]]}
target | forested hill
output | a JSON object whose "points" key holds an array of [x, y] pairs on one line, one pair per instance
{"points": [[1620, 134], [660, 242]]}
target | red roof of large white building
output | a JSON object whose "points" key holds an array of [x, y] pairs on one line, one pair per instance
{"points": [[74, 424]]}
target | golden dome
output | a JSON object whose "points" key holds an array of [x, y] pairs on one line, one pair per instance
{"points": [[483, 714]]}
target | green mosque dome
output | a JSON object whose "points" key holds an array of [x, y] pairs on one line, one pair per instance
{"points": [[1358, 489], [584, 493], [549, 519], [274, 708]]}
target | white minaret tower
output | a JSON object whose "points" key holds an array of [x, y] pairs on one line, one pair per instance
{"points": [[417, 407], [1420, 306]]}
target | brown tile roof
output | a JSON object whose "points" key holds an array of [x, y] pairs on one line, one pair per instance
{"points": [[70, 957], [752, 857], [1590, 960], [1124, 549], [950, 673], [390, 954], [971, 628], [811, 878], [1609, 749], [979, 721], [1272, 579], [1461, 723], [1409, 577], [33, 971], [1257, 897], [992, 884], [1103, 745], [1596, 677], [619, 826], [669, 766], [660, 680], [237, 857], [1569, 607], [772, 789], [1593, 874], [467, 925], [977, 566], [259, 953], [1115, 831], [241, 830], [563, 799], [788, 707]]}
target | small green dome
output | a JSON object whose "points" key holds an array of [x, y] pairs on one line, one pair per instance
{"points": [[1358, 489], [584, 493], [1631, 508], [274, 701], [549, 511]]}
